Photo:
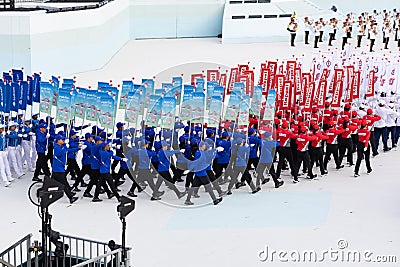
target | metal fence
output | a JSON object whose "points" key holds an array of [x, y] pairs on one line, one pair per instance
{"points": [[18, 254], [110, 259]]}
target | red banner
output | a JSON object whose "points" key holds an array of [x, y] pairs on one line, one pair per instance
{"points": [[306, 80], [371, 84], [243, 68], [280, 79], [222, 80], [272, 66], [337, 88], [194, 77], [232, 79], [290, 67], [356, 84], [297, 81], [287, 93], [321, 95], [264, 79], [212, 75], [308, 96]]}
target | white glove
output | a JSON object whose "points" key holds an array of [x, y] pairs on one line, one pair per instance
{"points": [[124, 159], [182, 150], [48, 135], [220, 149], [25, 136], [194, 132], [30, 133], [67, 141], [252, 145], [128, 138], [262, 131], [67, 145], [19, 135], [365, 148], [112, 145], [118, 146], [23, 130], [83, 147]]}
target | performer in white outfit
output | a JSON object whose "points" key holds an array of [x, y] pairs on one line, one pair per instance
{"points": [[13, 155], [5, 172], [26, 132]]}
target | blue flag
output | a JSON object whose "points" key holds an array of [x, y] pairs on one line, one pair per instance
{"points": [[29, 94], [7, 98], [17, 75], [36, 88], [15, 91], [2, 95], [24, 94]]}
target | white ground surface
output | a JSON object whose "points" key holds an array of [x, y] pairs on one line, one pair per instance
{"points": [[311, 215]]}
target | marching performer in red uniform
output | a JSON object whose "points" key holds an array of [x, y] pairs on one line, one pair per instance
{"points": [[302, 141], [317, 150], [346, 143], [283, 137], [371, 119], [332, 145], [363, 148]]}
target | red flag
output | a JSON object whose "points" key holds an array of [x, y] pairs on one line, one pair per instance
{"points": [[243, 68], [265, 75], [280, 79], [350, 77], [297, 81], [290, 67], [212, 75], [194, 77], [321, 95], [356, 84], [308, 96], [232, 79], [272, 66], [337, 88], [246, 80], [222, 80], [287, 95], [371, 84], [306, 80]]}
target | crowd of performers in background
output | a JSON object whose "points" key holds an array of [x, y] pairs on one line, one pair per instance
{"points": [[221, 159], [373, 26]]}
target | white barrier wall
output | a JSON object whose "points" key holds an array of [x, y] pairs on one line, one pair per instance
{"points": [[71, 42]]}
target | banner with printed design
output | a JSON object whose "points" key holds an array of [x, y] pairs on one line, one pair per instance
{"points": [[127, 87], [232, 109], [370, 92], [64, 103], [199, 85], [337, 88], [36, 88], [198, 104], [15, 92], [243, 117], [2, 95], [214, 114], [177, 83], [80, 104], [256, 101], [186, 109], [168, 110], [24, 94], [17, 75], [46, 96], [232, 79], [107, 111], [133, 109], [56, 84], [154, 110], [212, 75], [91, 105], [269, 110]]}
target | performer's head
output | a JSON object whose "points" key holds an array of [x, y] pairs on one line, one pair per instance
{"points": [[120, 126], [347, 107], [369, 111], [60, 139]]}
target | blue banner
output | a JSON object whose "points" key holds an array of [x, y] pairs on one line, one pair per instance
{"points": [[24, 95], [127, 87], [56, 84], [186, 108], [17, 75], [91, 105], [2, 95], [7, 98], [29, 95], [15, 92], [133, 107], [177, 84], [154, 110], [199, 85], [197, 105], [107, 115]]}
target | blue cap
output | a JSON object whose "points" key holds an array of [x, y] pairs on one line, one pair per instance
{"points": [[20, 114], [239, 140], [209, 132], [202, 143], [72, 132], [120, 124], [98, 138], [27, 120], [88, 135], [103, 145], [43, 125], [267, 134], [233, 125], [224, 135], [36, 114], [251, 131], [59, 137], [61, 133]]}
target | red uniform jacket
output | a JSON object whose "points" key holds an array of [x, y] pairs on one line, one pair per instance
{"points": [[284, 136], [327, 115], [332, 134], [363, 136], [321, 136], [371, 119], [303, 140], [348, 131]]}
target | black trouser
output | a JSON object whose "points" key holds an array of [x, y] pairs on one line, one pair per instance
{"points": [[86, 169], [41, 165], [286, 153], [101, 183], [371, 45], [331, 149], [199, 181], [73, 168], [346, 144], [386, 42], [61, 178], [321, 34], [213, 180], [378, 133], [169, 182], [396, 37], [260, 172], [354, 137], [219, 167], [115, 162], [292, 38], [317, 156], [359, 39], [50, 151], [103, 179], [189, 179], [303, 156], [121, 173], [398, 43], [307, 33], [245, 175], [316, 38], [334, 34], [344, 42], [350, 31], [330, 38], [373, 144], [178, 171], [146, 175], [360, 156]]}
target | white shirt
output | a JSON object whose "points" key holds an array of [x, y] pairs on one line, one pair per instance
{"points": [[383, 112]]}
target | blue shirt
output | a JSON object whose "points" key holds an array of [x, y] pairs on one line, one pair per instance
{"points": [[87, 153], [12, 139], [25, 133], [105, 157], [73, 143], [144, 158], [96, 159], [41, 142], [60, 157], [223, 157], [267, 147], [242, 156], [3, 143], [163, 156], [254, 143]]}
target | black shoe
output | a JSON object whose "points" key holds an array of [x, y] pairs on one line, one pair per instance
{"points": [[73, 178], [102, 191], [369, 171], [181, 195], [160, 193], [87, 195], [180, 180], [110, 196], [295, 181], [222, 193], [265, 181], [84, 184], [140, 189], [356, 175], [195, 195], [256, 190], [73, 199], [312, 176], [35, 179], [155, 198], [324, 173], [131, 194], [279, 184], [97, 199], [339, 167], [218, 200], [118, 190], [189, 203], [229, 193]]}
